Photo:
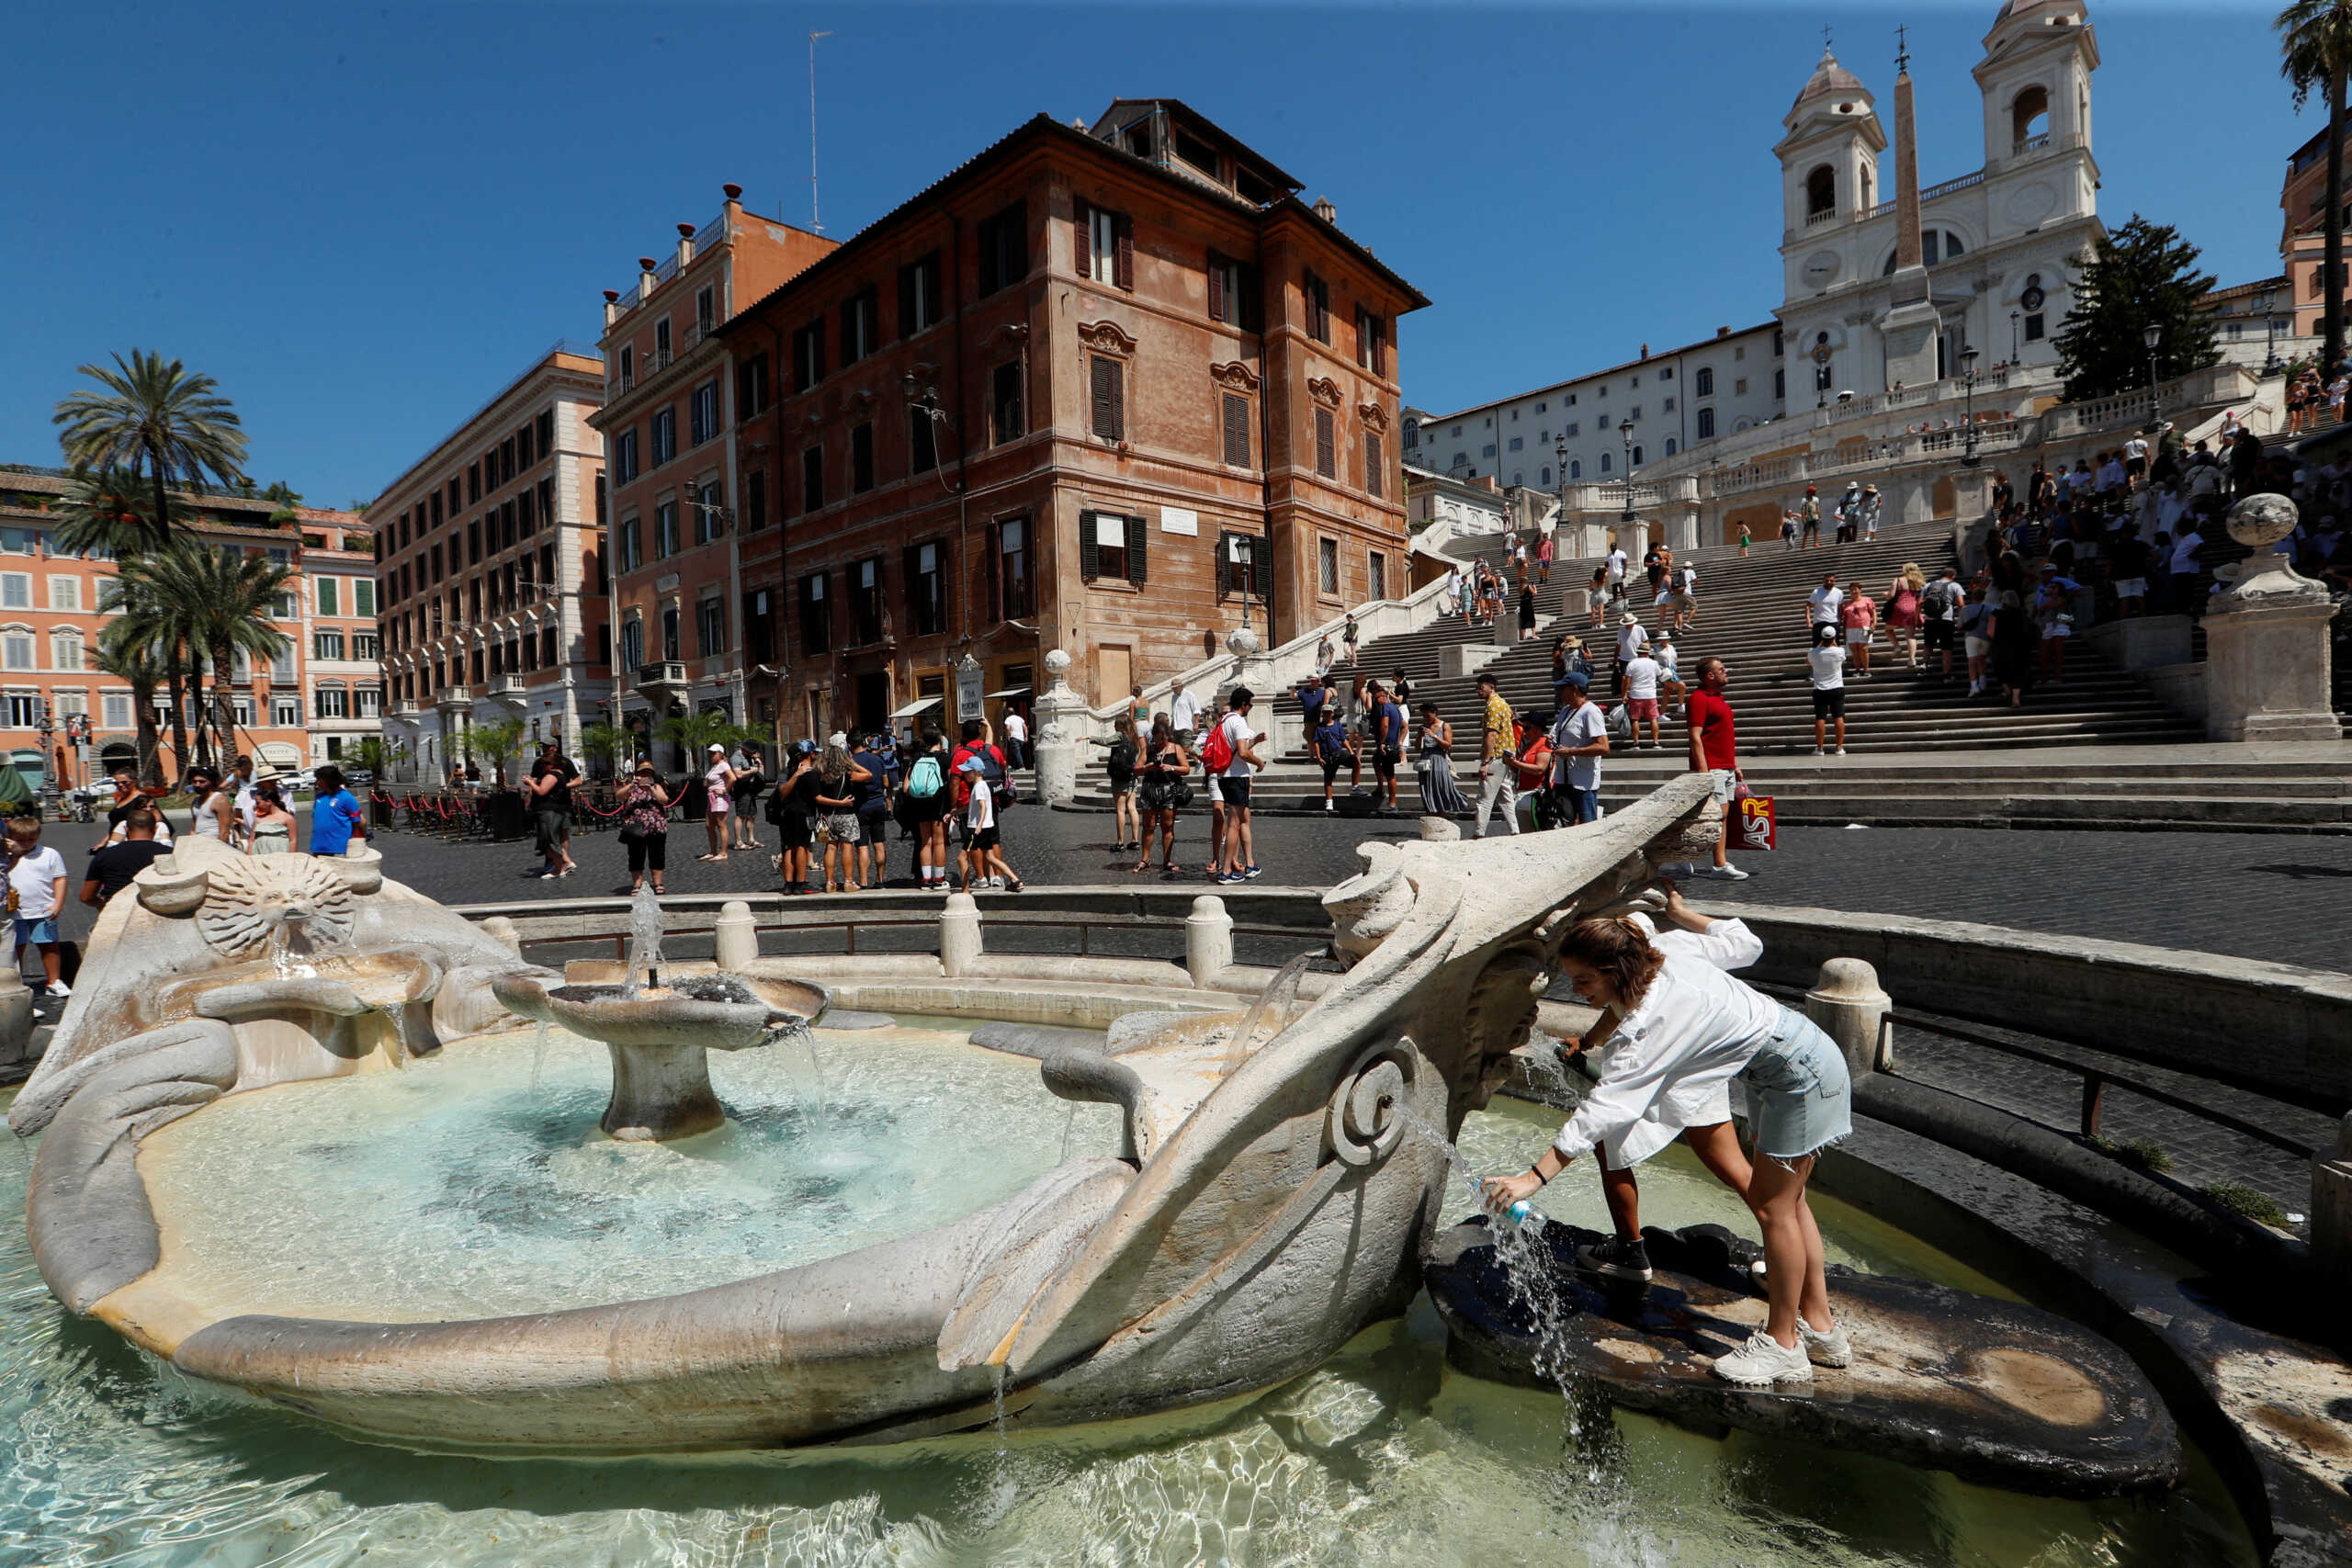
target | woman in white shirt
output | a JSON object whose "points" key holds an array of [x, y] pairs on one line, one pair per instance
{"points": [[1688, 1026]]}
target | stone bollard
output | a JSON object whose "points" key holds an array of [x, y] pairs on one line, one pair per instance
{"points": [[2331, 1217], [735, 937], [501, 930], [1208, 939], [1440, 829], [1577, 605], [959, 935], [1848, 1006], [16, 1017]]}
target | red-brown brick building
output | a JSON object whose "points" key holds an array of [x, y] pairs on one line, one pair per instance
{"points": [[1098, 389]]}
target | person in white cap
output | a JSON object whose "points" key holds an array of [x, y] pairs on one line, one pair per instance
{"points": [[717, 789]]}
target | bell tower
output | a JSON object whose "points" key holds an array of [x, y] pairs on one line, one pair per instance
{"points": [[2035, 79], [1829, 178]]}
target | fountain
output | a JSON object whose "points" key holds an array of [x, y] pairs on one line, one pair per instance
{"points": [[661, 1028], [484, 1262]]}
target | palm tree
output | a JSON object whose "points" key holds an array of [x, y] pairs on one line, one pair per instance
{"points": [[2315, 44], [155, 623], [600, 744], [105, 512], [694, 733], [123, 654], [499, 742], [157, 421], [216, 603]]}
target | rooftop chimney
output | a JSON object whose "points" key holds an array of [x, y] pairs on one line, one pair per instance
{"points": [[734, 192], [645, 279], [685, 245], [1646, 351], [1723, 332], [1326, 211], [612, 306]]}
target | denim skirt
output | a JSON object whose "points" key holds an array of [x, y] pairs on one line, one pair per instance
{"points": [[1799, 1098]]}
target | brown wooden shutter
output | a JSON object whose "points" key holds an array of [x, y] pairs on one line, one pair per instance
{"points": [[1326, 444], [1109, 388], [909, 565], [1124, 227], [1375, 461], [1136, 536], [1262, 553], [906, 302], [993, 542], [934, 278], [1216, 289], [1236, 429], [1084, 251], [1089, 550], [1249, 317]]}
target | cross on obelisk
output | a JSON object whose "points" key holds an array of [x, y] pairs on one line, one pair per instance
{"points": [[1824, 37], [1902, 49]]}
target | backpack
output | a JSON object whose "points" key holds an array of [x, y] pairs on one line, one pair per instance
{"points": [[1621, 723], [1121, 763], [923, 781], [1217, 755], [999, 779]]}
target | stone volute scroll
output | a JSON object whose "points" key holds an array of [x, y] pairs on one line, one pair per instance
{"points": [[1106, 337], [1234, 377], [1324, 391]]}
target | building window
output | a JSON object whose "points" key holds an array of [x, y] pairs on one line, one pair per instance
{"points": [[815, 616], [861, 327], [807, 357], [756, 500], [334, 702], [66, 652], [1006, 418], [1016, 589], [327, 596], [629, 367], [926, 588], [1547, 474], [24, 712], [1327, 566], [665, 529], [364, 645], [1780, 384], [632, 543], [860, 457], [1820, 191], [1517, 442], [922, 441], [1327, 461], [1375, 464], [1372, 346], [1110, 398], [1110, 546], [2033, 327], [1706, 381], [702, 412], [1244, 567], [1706, 424], [1004, 248], [919, 295], [711, 520], [1670, 445], [633, 643], [327, 645], [1379, 564], [710, 627], [16, 591], [1604, 462], [1316, 296], [1487, 450], [1638, 458], [1107, 246], [115, 710], [65, 594], [669, 632], [665, 435], [1236, 429], [759, 627], [661, 342], [752, 386], [1233, 292], [812, 479], [866, 599]]}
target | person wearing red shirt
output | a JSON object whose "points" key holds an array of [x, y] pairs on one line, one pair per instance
{"points": [[1714, 747]]}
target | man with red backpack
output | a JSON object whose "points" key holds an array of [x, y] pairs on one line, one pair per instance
{"points": [[979, 742], [1231, 757]]}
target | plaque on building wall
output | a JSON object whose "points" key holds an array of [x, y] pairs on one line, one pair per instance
{"points": [[1180, 519], [971, 680]]}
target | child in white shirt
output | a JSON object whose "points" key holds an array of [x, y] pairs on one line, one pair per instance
{"points": [[36, 893]]}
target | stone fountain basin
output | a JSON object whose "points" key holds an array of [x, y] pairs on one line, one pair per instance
{"points": [[341, 983], [718, 1012]]}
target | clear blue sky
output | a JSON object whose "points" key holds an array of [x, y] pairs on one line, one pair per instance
{"points": [[364, 220]]}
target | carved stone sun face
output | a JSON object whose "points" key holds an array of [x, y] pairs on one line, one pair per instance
{"points": [[244, 900]]}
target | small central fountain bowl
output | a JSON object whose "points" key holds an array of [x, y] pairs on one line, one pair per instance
{"points": [[658, 1037]]}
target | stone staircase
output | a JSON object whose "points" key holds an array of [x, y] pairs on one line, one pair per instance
{"points": [[2096, 750]]}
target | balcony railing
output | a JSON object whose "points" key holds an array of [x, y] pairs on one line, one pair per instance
{"points": [[2030, 145], [1813, 219]]}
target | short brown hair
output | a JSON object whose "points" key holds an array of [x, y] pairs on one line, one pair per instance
{"points": [[1619, 950]]}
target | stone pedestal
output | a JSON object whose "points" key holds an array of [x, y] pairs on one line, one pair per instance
{"points": [[1971, 490], [1634, 539], [1460, 661], [16, 1017], [661, 1092], [1208, 940], [735, 937], [1682, 530], [2266, 668], [1062, 740], [501, 930], [959, 935], [1577, 604], [1848, 1006], [2142, 642]]}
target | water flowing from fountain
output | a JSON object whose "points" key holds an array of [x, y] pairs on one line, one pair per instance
{"points": [[1270, 1014], [645, 925], [539, 1053]]}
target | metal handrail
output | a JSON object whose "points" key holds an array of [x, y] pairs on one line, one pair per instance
{"points": [[2094, 1082]]}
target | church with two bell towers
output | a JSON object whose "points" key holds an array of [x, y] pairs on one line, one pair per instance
{"points": [[1884, 283]]}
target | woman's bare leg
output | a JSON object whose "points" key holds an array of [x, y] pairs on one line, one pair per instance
{"points": [[1794, 1279]]}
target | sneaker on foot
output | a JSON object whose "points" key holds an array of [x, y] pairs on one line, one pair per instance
{"points": [[1679, 871], [1250, 871], [1725, 872], [1817, 751], [58, 988], [1829, 1348], [1617, 1258], [1842, 750], [1225, 878], [1763, 1362]]}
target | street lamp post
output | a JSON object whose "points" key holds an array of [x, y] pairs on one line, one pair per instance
{"points": [[1627, 430], [2013, 318], [2270, 365], [1561, 452], [2152, 336], [1968, 458]]}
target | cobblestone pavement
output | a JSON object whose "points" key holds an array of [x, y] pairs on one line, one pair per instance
{"points": [[2280, 897]]}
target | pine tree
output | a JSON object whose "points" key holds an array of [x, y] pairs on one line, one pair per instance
{"points": [[2143, 274]]}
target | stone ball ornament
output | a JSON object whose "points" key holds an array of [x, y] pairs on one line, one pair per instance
{"points": [[1242, 641], [1056, 664], [2260, 520]]}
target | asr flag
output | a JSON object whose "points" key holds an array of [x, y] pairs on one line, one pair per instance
{"points": [[1755, 826]]}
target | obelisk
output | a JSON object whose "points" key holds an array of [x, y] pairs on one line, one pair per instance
{"points": [[1910, 328]]}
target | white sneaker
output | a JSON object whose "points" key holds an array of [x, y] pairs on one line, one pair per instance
{"points": [[1725, 872], [1763, 1362], [1842, 750], [1680, 870], [58, 988], [1818, 752], [1831, 1349]]}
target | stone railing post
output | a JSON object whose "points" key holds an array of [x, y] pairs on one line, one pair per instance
{"points": [[2331, 1221], [1208, 939], [2267, 649], [1850, 1008], [501, 930], [16, 1017], [1062, 740], [735, 937], [959, 935]]}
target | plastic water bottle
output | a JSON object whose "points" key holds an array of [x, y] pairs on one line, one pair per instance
{"points": [[1525, 1215]]}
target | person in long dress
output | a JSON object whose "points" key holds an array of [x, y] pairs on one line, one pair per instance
{"points": [[1686, 1026], [275, 831], [1433, 763]]}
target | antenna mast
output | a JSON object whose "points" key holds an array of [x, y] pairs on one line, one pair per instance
{"points": [[815, 224]]}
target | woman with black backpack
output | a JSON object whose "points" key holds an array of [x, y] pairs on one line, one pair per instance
{"points": [[793, 809], [1163, 792], [925, 800], [1126, 824]]}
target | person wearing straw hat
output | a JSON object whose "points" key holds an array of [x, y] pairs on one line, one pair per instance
{"points": [[273, 830]]}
